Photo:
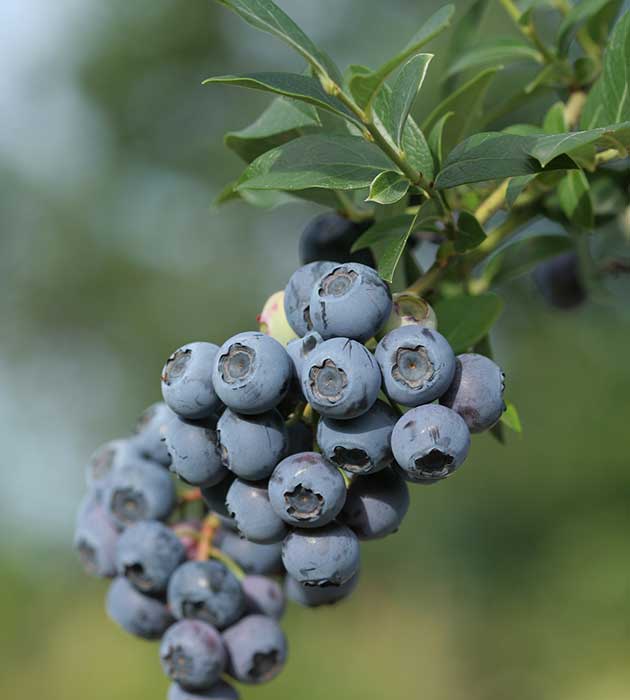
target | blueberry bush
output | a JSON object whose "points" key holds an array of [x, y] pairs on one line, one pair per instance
{"points": [[273, 456]]}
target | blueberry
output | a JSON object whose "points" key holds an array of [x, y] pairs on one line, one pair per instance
{"points": [[207, 591], [252, 373], [251, 446], [417, 363], [300, 348], [314, 597], [252, 558], [187, 381], [307, 491], [560, 282], [109, 457], [272, 319], [257, 649], [330, 236], [194, 450], [264, 596], [219, 691], [214, 497], [147, 554], [430, 443], [328, 556], [95, 538], [376, 505], [193, 655], [409, 310], [149, 433], [300, 438], [135, 612], [248, 503], [341, 379], [350, 301], [360, 445], [297, 294], [138, 491], [476, 392]]}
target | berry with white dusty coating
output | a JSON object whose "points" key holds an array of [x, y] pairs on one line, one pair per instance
{"points": [[264, 596], [149, 433], [297, 294], [187, 381], [252, 373], [219, 691], [476, 392], [360, 445], [327, 556], [306, 490], [341, 379], [417, 363], [248, 503], [109, 457], [251, 446], [350, 301], [263, 559], [135, 612], [300, 348], [257, 649], [314, 596], [95, 538], [430, 443]]}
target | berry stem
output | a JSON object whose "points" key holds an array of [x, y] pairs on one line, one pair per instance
{"points": [[215, 553], [209, 528]]}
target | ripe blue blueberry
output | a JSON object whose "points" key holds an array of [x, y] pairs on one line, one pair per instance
{"points": [[264, 559], [193, 655], [297, 295], [350, 301], [138, 491], [248, 503], [252, 373], [300, 348], [307, 491], [107, 458], [328, 556], [300, 438], [214, 497], [251, 446], [476, 392], [560, 282], [341, 379], [430, 443], [376, 505], [219, 691], [264, 596], [314, 596], [149, 430], [135, 612], [187, 381], [330, 236], [194, 450], [417, 363], [208, 591], [360, 445], [147, 554], [95, 538], [257, 649]]}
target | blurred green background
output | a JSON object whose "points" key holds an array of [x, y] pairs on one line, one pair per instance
{"points": [[512, 580]]}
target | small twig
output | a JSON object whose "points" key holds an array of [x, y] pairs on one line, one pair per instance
{"points": [[209, 528], [493, 203], [573, 109]]}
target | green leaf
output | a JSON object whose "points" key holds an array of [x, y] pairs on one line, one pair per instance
{"points": [[511, 419], [491, 156], [498, 52], [383, 231], [470, 233], [294, 85], [515, 187], [554, 122], [518, 258], [594, 111], [578, 15], [318, 160], [435, 139], [282, 121], [267, 16], [575, 199], [404, 91], [546, 148], [388, 188], [364, 87], [616, 73], [466, 104], [465, 320]]}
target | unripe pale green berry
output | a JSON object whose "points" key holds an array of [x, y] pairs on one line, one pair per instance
{"points": [[409, 309], [273, 321]]}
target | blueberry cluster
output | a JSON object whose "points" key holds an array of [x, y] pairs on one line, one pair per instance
{"points": [[291, 452]]}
